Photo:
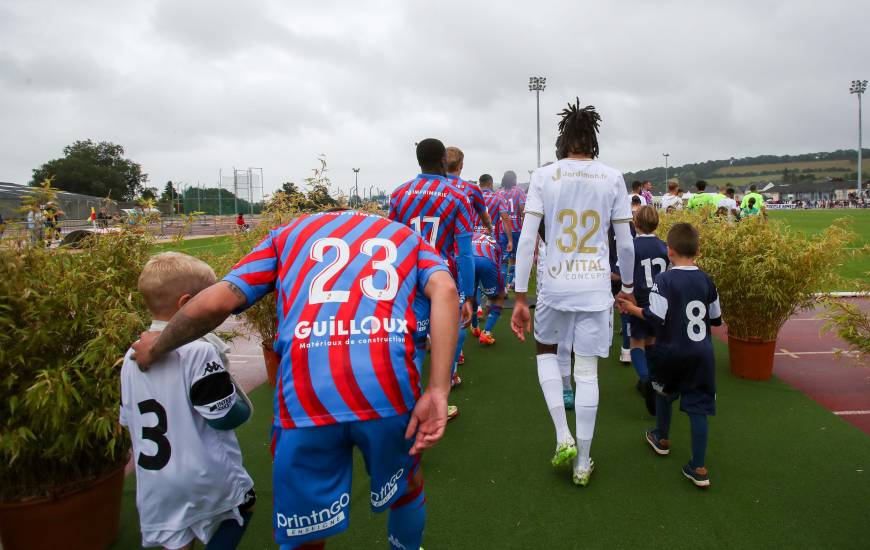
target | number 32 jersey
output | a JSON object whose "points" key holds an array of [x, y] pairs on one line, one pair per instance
{"points": [[578, 200], [351, 314]]}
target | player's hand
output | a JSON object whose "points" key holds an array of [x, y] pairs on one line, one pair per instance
{"points": [[510, 245], [622, 296], [521, 320], [428, 420], [467, 312], [142, 350]]}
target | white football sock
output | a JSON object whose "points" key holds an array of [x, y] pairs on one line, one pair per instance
{"points": [[548, 376], [585, 404], [563, 356]]}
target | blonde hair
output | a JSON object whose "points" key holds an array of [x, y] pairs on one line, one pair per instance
{"points": [[646, 219], [455, 157], [170, 275]]}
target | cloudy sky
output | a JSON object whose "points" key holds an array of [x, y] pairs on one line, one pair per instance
{"points": [[189, 87]]}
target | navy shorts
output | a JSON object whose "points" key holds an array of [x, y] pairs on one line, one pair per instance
{"points": [[640, 329], [312, 469]]}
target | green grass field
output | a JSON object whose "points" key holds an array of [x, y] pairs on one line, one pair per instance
{"points": [[815, 221], [785, 472]]}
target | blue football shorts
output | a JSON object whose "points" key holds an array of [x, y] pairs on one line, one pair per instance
{"points": [[488, 277], [312, 470], [640, 329]]}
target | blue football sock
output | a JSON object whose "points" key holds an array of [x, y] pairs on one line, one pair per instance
{"points": [[638, 361], [504, 272], [462, 335], [626, 343], [407, 520], [663, 415], [229, 534], [511, 272], [492, 319], [698, 423]]}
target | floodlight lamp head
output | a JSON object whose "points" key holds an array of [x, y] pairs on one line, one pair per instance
{"points": [[858, 87]]}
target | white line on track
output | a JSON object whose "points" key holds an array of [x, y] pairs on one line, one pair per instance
{"points": [[797, 354], [786, 352], [850, 413]]}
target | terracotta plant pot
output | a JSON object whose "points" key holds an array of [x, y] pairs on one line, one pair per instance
{"points": [[86, 518], [272, 361], [751, 358]]}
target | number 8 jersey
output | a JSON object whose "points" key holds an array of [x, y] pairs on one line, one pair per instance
{"points": [[351, 315], [578, 200]]}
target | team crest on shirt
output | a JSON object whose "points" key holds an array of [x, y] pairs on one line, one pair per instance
{"points": [[555, 270]]}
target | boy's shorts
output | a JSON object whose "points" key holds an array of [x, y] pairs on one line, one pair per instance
{"points": [[589, 333], [691, 379], [203, 530], [488, 276], [640, 329], [312, 474], [692, 402]]}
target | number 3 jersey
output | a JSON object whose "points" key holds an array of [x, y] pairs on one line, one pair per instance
{"points": [[351, 315], [683, 304], [186, 471], [578, 200]]}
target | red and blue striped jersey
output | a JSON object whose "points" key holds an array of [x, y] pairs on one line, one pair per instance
{"points": [[495, 205], [435, 209], [475, 198], [352, 315], [516, 202], [485, 246]]}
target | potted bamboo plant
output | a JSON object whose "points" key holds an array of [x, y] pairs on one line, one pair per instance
{"points": [[66, 320], [765, 272]]}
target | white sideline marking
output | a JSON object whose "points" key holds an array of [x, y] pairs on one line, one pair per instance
{"points": [[797, 354], [850, 413]]}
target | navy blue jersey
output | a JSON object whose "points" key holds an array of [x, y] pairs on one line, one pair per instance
{"points": [[650, 259], [683, 304]]}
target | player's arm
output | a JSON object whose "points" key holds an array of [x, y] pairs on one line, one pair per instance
{"points": [[465, 263], [202, 314], [714, 310], [620, 216], [525, 258], [429, 417]]}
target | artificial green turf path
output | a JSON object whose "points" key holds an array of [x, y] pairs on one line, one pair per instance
{"points": [[785, 472]]}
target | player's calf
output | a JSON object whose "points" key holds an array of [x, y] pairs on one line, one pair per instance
{"points": [[408, 517]]}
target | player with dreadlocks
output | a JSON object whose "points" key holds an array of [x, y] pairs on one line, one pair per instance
{"points": [[577, 198]]}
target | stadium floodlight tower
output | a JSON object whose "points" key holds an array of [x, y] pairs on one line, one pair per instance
{"points": [[355, 181], [859, 87], [666, 155], [537, 85]]}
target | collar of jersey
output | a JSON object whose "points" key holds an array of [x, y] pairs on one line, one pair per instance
{"points": [[431, 176], [686, 267]]}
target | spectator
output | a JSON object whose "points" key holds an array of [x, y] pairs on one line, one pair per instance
{"points": [[672, 198], [636, 190], [759, 200], [240, 223], [646, 193]]}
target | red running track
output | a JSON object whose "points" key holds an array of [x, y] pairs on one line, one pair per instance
{"points": [[806, 360]]}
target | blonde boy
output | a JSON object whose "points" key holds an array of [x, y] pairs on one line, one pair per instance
{"points": [[190, 482]]}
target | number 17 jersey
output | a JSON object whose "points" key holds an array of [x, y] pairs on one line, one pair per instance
{"points": [[578, 200], [351, 314]]}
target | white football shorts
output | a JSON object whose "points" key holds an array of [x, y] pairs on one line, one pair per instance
{"points": [[589, 333], [203, 530]]}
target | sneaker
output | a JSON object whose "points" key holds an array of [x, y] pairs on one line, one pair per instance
{"points": [[456, 381], [452, 412], [461, 359], [565, 454], [698, 476], [660, 446], [625, 356], [486, 339], [475, 331], [581, 476], [568, 398]]}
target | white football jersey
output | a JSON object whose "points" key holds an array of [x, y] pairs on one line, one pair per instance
{"points": [[578, 200], [186, 471]]}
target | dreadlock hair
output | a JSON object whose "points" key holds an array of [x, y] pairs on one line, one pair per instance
{"points": [[578, 131]]}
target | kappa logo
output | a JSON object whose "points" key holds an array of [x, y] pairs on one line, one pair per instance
{"points": [[213, 366]]}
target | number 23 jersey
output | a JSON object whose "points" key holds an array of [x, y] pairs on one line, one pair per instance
{"points": [[351, 315], [186, 471], [578, 200]]}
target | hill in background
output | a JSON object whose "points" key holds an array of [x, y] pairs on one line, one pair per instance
{"points": [[739, 172]]}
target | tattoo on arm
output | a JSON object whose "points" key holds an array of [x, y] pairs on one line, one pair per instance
{"points": [[243, 299]]}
